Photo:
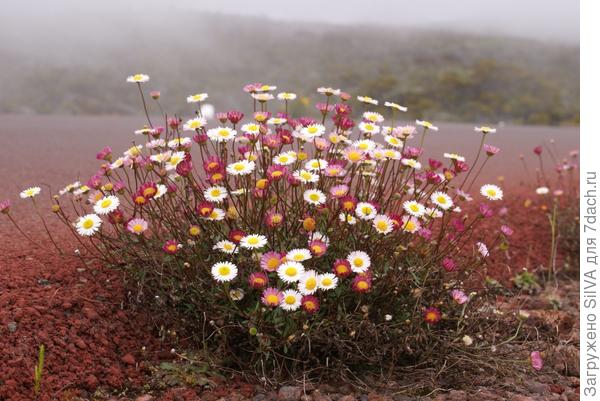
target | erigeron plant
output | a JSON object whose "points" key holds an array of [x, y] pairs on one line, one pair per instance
{"points": [[290, 243]]}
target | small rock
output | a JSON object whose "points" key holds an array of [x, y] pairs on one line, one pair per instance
{"points": [[12, 327], [128, 359], [289, 393]]}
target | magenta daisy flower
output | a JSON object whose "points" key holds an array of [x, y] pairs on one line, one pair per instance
{"points": [[271, 297], [270, 261]]}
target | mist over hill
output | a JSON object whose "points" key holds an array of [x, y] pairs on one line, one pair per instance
{"points": [[65, 65]]}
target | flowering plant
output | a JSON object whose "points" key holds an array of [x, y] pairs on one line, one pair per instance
{"points": [[285, 240]]}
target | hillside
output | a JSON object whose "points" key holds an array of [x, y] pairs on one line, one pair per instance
{"points": [[439, 75]]}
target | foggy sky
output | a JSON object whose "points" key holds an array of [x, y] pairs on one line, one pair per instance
{"points": [[553, 20]]}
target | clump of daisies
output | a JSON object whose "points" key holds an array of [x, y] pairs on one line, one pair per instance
{"points": [[305, 241]]}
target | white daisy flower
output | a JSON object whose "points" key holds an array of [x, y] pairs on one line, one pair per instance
{"points": [[133, 151], [395, 106], [106, 205], [305, 176], [30, 192], [286, 96], [383, 224], [314, 197], [253, 241], [369, 128], [88, 225], [262, 97], [485, 130], [216, 215], [316, 165], [174, 160], [290, 272], [138, 78], [367, 99], [194, 124], [215, 194], [226, 246], [291, 300], [366, 145], [161, 157], [276, 121], [411, 163], [414, 208], [327, 281], [492, 192], [298, 255], [365, 211], [119, 163], [161, 189], [197, 98], [373, 117], [542, 190], [155, 143], [329, 91], [427, 125], [392, 154], [313, 130], [177, 142], [242, 167], [393, 141], [285, 158], [251, 128], [221, 134], [308, 284], [347, 218], [144, 131], [454, 156], [359, 261], [441, 200], [224, 271]]}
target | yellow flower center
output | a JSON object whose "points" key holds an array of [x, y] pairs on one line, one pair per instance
{"points": [[441, 200], [358, 262], [215, 192], [314, 197], [272, 299], [354, 156], [311, 283], [382, 225], [362, 285], [87, 224], [327, 281], [252, 240], [224, 270], [290, 299], [138, 228], [223, 133], [272, 263], [312, 130], [410, 226], [291, 271], [414, 208], [491, 192]]}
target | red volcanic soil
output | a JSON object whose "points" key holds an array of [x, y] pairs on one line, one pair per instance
{"points": [[78, 310]]}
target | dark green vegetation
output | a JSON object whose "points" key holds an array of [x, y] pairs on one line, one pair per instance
{"points": [[439, 75]]}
